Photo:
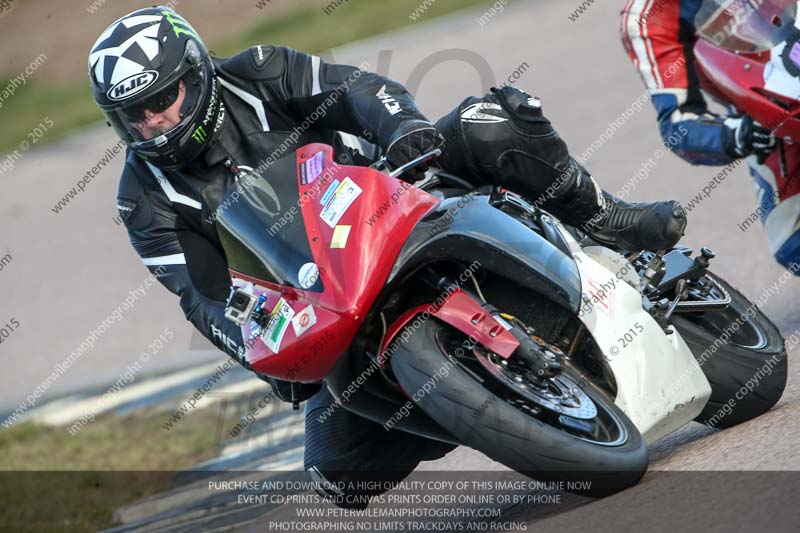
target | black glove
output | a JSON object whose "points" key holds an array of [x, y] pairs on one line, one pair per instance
{"points": [[745, 136], [412, 139]]}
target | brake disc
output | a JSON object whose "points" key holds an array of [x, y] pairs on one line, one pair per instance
{"points": [[559, 394]]}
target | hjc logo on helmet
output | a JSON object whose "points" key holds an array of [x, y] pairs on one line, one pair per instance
{"points": [[132, 85]]}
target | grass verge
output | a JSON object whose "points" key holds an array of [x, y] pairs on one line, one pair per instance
{"points": [[53, 481]]}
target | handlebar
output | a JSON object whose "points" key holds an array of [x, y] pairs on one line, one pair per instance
{"points": [[382, 163]]}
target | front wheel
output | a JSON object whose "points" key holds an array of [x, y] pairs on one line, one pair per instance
{"points": [[741, 353], [565, 431]]}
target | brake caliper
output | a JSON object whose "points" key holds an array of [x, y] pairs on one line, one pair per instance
{"points": [[543, 360]]}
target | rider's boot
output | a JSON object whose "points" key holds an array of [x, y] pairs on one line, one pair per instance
{"points": [[613, 222]]}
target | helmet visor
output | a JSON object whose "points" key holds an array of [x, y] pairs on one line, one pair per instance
{"points": [[152, 121]]}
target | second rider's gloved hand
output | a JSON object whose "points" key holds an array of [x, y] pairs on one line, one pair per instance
{"points": [[745, 136], [412, 139]]}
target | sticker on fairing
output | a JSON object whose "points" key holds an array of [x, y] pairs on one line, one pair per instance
{"points": [[340, 234], [794, 54], [303, 320], [308, 275], [311, 169], [329, 192], [602, 295], [338, 203], [255, 329], [255, 332], [275, 329]]}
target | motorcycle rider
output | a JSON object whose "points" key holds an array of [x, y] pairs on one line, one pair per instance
{"points": [[196, 124], [659, 37]]}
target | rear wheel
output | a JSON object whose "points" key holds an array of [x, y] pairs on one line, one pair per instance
{"points": [[567, 430], [738, 349]]}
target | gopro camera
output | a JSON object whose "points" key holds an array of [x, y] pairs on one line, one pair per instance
{"points": [[240, 306]]}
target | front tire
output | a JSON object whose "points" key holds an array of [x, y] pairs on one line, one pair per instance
{"points": [[754, 351], [482, 420]]}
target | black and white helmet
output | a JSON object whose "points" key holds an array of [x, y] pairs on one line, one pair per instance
{"points": [[143, 64]]}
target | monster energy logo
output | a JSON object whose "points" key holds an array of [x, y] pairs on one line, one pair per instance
{"points": [[179, 25], [199, 134]]}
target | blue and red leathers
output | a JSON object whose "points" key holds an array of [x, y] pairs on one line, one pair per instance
{"points": [[659, 36]]}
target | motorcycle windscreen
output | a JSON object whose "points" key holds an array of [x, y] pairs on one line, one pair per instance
{"points": [[355, 221], [261, 228], [746, 25]]}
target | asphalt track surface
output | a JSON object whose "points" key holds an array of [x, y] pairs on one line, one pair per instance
{"points": [[70, 270]]}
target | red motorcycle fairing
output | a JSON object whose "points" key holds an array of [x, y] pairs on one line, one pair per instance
{"points": [[738, 77], [357, 220]]}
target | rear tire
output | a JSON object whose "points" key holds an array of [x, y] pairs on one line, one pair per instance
{"points": [[503, 432], [756, 346]]}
